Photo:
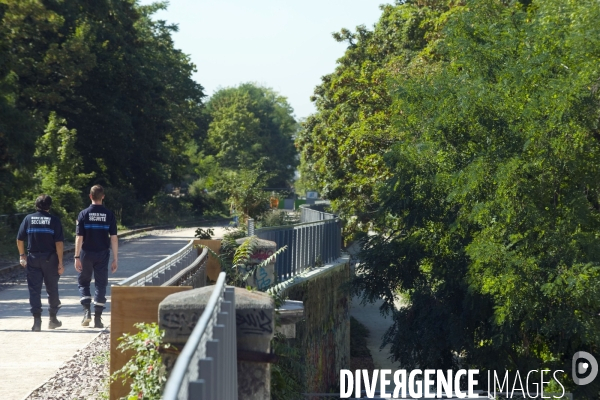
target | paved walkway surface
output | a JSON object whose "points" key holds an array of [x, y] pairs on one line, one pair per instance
{"points": [[369, 315], [28, 359], [377, 324]]}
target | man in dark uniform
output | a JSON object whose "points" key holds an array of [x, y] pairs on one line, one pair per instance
{"points": [[96, 233], [44, 259]]}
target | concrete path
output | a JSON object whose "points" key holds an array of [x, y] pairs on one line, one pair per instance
{"points": [[28, 359], [377, 324], [369, 315]]}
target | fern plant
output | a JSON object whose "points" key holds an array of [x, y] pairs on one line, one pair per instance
{"points": [[236, 269]]}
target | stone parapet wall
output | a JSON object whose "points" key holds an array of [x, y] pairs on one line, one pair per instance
{"points": [[324, 335]]}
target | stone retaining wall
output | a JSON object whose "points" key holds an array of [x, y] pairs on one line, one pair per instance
{"points": [[324, 335]]}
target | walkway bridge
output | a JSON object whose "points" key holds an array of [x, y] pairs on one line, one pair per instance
{"points": [[227, 332], [310, 273]]}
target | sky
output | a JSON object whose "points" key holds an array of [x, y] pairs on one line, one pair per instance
{"points": [[282, 44]]}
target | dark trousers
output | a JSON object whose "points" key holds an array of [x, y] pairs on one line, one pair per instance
{"points": [[43, 268], [96, 263]]}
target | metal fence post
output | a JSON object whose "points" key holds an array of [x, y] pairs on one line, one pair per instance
{"points": [[206, 373], [197, 390], [250, 227]]}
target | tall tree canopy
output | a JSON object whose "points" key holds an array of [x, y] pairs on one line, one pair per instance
{"points": [[42, 60], [114, 76], [488, 218], [342, 145], [249, 126]]}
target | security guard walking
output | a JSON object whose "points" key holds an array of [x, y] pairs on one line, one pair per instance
{"points": [[44, 259], [96, 232]]}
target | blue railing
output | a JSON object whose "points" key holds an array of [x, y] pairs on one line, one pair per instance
{"points": [[317, 239], [314, 213]]}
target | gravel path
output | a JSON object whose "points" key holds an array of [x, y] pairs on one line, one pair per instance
{"points": [[83, 377]]}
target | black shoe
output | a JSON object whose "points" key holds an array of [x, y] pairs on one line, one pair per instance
{"points": [[37, 323], [98, 321], [87, 317], [54, 323]]}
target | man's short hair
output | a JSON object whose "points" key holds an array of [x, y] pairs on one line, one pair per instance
{"points": [[43, 202], [97, 192]]}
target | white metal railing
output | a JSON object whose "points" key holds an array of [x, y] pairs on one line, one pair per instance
{"points": [[159, 273], [206, 369], [193, 275], [309, 215]]}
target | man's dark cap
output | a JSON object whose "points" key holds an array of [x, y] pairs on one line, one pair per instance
{"points": [[43, 202]]}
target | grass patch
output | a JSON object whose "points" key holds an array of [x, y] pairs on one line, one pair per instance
{"points": [[102, 358]]}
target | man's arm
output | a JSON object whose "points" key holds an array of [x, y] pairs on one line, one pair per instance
{"points": [[78, 244], [22, 258], [59, 251], [114, 245]]}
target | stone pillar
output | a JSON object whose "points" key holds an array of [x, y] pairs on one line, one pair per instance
{"points": [[263, 277], [178, 314], [255, 327], [255, 321]]}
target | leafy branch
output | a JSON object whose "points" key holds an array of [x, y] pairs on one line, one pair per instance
{"points": [[144, 373]]}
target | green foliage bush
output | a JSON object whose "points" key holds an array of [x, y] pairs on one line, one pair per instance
{"points": [[276, 218], [123, 203], [165, 208], [202, 233], [58, 166], [234, 257], [229, 245], [288, 373], [202, 200], [144, 372], [244, 190], [480, 178]]}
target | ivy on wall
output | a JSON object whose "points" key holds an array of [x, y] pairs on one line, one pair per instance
{"points": [[324, 335]]}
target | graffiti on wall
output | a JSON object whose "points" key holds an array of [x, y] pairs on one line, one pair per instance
{"points": [[254, 322], [179, 323]]}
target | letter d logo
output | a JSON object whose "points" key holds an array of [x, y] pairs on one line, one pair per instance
{"points": [[583, 367]]}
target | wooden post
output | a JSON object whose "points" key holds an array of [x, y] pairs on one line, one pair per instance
{"points": [[130, 305]]}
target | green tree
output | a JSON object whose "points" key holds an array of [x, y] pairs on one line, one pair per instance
{"points": [[139, 103], [113, 73], [252, 126], [234, 132], [58, 173], [342, 145], [489, 221], [243, 189], [41, 62]]}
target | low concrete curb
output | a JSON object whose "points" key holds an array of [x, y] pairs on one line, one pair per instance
{"points": [[310, 274]]}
